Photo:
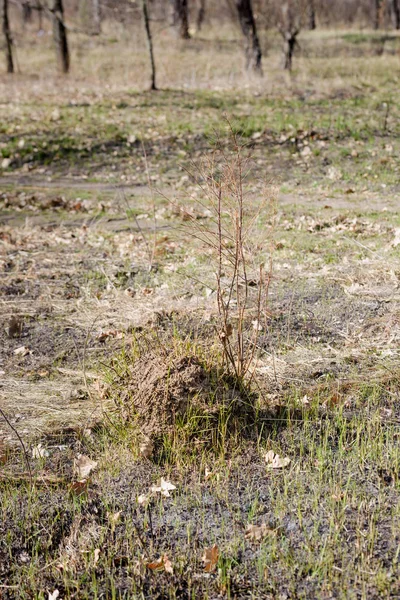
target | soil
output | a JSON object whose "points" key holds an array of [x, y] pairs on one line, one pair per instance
{"points": [[163, 390]]}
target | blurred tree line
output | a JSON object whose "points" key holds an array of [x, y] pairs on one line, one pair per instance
{"points": [[188, 18]]}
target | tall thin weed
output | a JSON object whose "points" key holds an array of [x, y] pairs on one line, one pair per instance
{"points": [[242, 267]]}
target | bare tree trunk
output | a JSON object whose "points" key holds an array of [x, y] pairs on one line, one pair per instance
{"points": [[180, 15], [96, 17], [40, 17], [149, 38], [311, 15], [377, 14], [200, 15], [396, 13], [26, 12], [7, 37], [249, 29], [290, 44], [289, 27], [60, 36]]}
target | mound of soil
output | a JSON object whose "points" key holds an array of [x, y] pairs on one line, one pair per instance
{"points": [[161, 390]]}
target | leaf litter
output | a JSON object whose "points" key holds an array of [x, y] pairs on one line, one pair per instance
{"points": [[210, 558], [83, 466], [275, 461], [161, 564]]}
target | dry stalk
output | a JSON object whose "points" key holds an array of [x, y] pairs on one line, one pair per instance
{"points": [[242, 278]]}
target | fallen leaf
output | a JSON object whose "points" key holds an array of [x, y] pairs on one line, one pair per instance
{"points": [[274, 461], [83, 466], [79, 487], [53, 595], [40, 452], [168, 565], [338, 496], [334, 174], [257, 325], [207, 473], [24, 557], [115, 333], [164, 488], [96, 556], [210, 558], [147, 291], [22, 351], [334, 400], [258, 532], [162, 564], [143, 499], [306, 151]]}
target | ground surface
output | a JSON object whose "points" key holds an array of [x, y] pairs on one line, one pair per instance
{"points": [[95, 252]]}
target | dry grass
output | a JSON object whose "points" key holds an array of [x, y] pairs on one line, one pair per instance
{"points": [[118, 62]]}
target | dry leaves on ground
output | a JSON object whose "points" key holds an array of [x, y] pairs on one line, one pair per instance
{"points": [[83, 466], [210, 558], [162, 564], [274, 461], [40, 452], [257, 533], [163, 489], [114, 333], [79, 487], [22, 351], [96, 556], [396, 240], [143, 499]]}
